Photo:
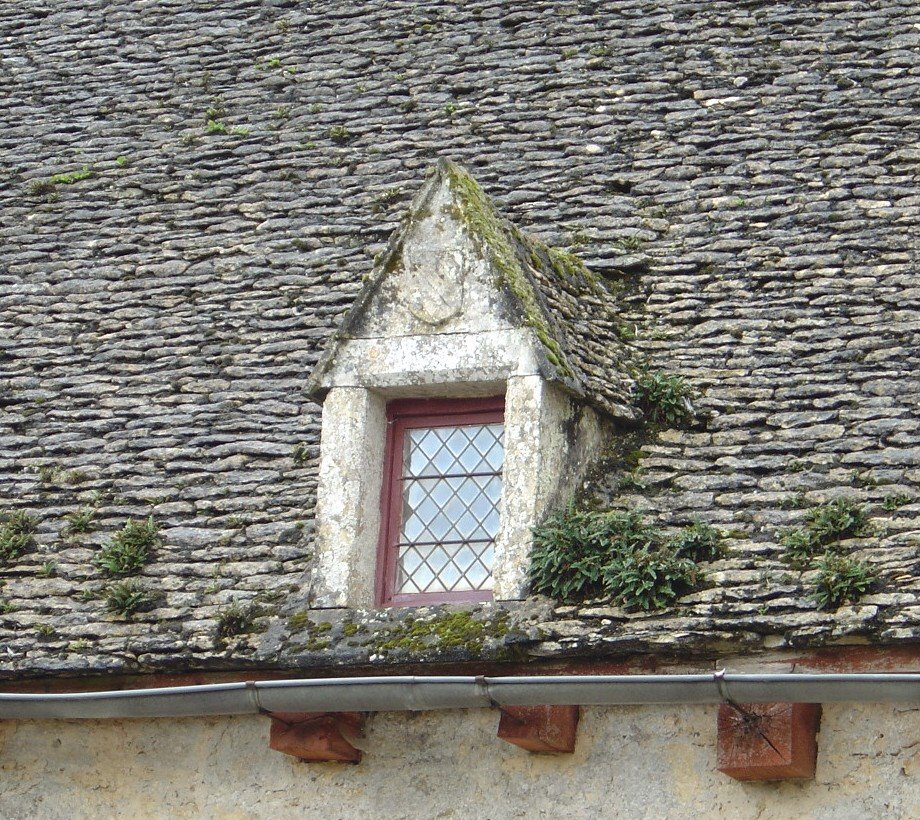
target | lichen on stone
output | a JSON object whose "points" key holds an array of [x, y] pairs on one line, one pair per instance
{"points": [[503, 247], [446, 630]]}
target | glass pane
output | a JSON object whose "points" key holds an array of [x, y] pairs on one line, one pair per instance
{"points": [[471, 448], [450, 509]]}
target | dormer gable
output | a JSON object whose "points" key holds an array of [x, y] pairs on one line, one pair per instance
{"points": [[498, 300]]}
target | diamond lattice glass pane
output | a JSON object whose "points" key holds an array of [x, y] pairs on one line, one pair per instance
{"points": [[438, 451], [445, 568], [479, 575], [451, 493], [450, 509]]}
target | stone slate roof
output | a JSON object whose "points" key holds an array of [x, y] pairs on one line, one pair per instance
{"points": [[572, 312], [752, 165]]}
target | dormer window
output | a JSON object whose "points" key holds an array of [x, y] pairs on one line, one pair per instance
{"points": [[441, 500], [461, 308]]}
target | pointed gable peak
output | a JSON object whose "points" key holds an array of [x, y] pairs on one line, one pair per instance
{"points": [[455, 265]]}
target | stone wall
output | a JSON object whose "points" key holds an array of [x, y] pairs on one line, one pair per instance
{"points": [[629, 762]]}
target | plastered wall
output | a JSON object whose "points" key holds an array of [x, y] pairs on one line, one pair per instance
{"points": [[629, 762]]}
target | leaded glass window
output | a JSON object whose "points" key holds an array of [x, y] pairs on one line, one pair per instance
{"points": [[442, 503]]}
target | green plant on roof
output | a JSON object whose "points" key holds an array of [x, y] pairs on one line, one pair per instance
{"points": [[841, 579], [663, 398], [385, 199], [71, 177], [581, 554], [16, 534], [699, 542], [649, 578], [47, 570], [80, 521], [339, 134], [215, 127], [44, 189], [825, 525], [121, 161], [629, 243], [236, 619], [893, 501], [130, 548], [126, 597]]}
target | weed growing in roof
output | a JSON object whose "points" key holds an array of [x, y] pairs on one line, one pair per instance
{"points": [[893, 501], [825, 525], [47, 570], [236, 619], [44, 189], [129, 549], [663, 398], [630, 243], [339, 134], [16, 534], [80, 521], [126, 597], [699, 542], [649, 578], [386, 198], [581, 554], [841, 579]]}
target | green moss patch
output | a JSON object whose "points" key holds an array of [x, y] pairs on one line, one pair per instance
{"points": [[502, 247], [447, 630]]}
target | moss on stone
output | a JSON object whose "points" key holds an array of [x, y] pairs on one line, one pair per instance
{"points": [[447, 630], [498, 244], [298, 621]]}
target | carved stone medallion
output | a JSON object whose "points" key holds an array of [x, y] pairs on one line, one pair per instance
{"points": [[434, 282]]}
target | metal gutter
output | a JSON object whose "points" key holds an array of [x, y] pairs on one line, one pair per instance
{"points": [[412, 693]]}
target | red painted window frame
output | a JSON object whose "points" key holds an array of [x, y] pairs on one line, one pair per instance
{"points": [[402, 415]]}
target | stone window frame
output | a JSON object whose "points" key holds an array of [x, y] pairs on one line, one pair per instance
{"points": [[402, 416], [549, 439]]}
